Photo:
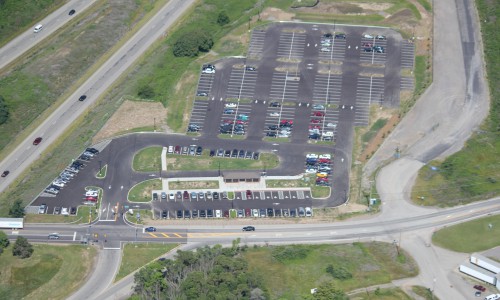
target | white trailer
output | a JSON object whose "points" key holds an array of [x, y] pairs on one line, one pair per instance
{"points": [[12, 223], [479, 273], [485, 262]]}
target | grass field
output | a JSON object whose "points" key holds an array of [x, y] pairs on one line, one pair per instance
{"points": [[187, 185], [82, 216], [471, 174], [424, 292], [147, 159], [470, 236], [369, 264], [142, 192], [52, 272], [138, 255], [316, 191], [202, 163]]}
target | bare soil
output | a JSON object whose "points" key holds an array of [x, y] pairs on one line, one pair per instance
{"points": [[275, 14], [379, 138], [134, 114]]}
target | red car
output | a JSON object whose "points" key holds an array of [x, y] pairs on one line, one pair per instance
{"points": [[480, 288], [324, 161], [318, 113], [248, 212], [287, 121], [37, 141], [249, 194], [93, 199], [315, 121], [314, 127]]}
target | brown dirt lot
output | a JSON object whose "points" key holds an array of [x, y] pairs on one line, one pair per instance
{"points": [[134, 114]]}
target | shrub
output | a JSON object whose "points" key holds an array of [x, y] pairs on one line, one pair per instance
{"points": [[191, 43], [146, 91], [340, 273], [22, 248], [284, 253], [222, 19], [4, 111]]}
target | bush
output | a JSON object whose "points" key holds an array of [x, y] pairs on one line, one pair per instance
{"points": [[284, 253], [4, 241], [17, 210], [191, 43], [4, 111], [340, 273], [22, 248], [146, 91], [222, 19]]}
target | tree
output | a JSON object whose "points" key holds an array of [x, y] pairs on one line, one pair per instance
{"points": [[338, 272], [22, 248], [222, 19], [17, 210], [4, 241], [4, 111], [191, 43], [328, 291]]}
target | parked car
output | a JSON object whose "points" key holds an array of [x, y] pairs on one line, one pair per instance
{"points": [[248, 228], [42, 208], [480, 288]]}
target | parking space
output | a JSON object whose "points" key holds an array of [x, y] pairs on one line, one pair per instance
{"points": [[235, 118], [327, 89], [241, 83], [369, 90], [407, 54], [198, 115], [256, 43], [373, 49], [291, 45], [332, 47], [279, 120], [205, 84], [407, 83], [284, 86]]}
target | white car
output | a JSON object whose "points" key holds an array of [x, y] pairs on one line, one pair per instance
{"points": [[326, 155], [325, 49], [38, 28], [308, 212], [91, 194], [331, 125], [209, 195], [58, 183], [64, 211], [218, 213], [368, 36], [208, 71], [318, 106], [311, 170], [231, 105], [171, 196], [312, 155], [170, 149], [255, 213], [274, 114]]}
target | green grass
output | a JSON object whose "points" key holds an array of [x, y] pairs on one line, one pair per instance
{"points": [[137, 255], [142, 192], [470, 236], [102, 172], [204, 162], [425, 4], [52, 272], [17, 16], [316, 191], [424, 292], [276, 139], [370, 264], [370, 134], [81, 217], [231, 136], [147, 159], [186, 185], [421, 73], [382, 294], [145, 214]]}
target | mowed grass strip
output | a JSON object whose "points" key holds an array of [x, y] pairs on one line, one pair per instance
{"points": [[369, 263], [203, 163], [142, 192], [148, 159], [470, 236], [138, 255], [52, 272], [381, 294]]}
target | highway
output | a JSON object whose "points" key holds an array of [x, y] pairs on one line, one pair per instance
{"points": [[28, 39], [52, 128]]}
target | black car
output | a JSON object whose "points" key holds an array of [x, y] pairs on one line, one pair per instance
{"points": [[234, 154], [293, 212], [155, 196], [199, 150], [82, 97], [187, 214], [270, 212], [164, 214], [273, 127], [340, 36], [250, 69], [271, 134], [275, 104], [248, 228], [212, 153], [72, 210], [194, 213], [241, 154], [210, 213], [203, 214], [179, 214], [256, 155], [249, 155], [5, 173], [71, 12], [277, 212], [227, 153]]}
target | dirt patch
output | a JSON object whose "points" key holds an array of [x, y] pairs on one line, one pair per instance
{"points": [[275, 14], [374, 143], [347, 8], [134, 114]]}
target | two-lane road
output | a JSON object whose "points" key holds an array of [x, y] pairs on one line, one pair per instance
{"points": [[54, 126]]}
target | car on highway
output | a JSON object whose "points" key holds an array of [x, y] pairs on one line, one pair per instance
{"points": [[248, 228], [5, 173], [37, 141], [150, 229], [71, 12], [53, 236], [82, 98], [38, 28]]}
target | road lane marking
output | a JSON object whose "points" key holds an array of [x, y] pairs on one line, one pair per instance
{"points": [[74, 236], [152, 234], [165, 235]]}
